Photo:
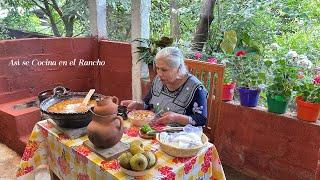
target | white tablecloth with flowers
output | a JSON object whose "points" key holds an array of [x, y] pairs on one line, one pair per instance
{"points": [[70, 159]]}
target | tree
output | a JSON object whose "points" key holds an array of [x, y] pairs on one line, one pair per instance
{"points": [[206, 17], [63, 15], [174, 22]]}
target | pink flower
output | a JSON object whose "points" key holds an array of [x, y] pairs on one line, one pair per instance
{"points": [[241, 53], [316, 80], [212, 60], [197, 55]]}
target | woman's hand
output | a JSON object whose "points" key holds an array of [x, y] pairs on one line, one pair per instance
{"points": [[167, 118], [132, 105]]}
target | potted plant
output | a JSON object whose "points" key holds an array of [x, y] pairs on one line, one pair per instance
{"points": [[308, 97], [229, 83], [149, 49], [283, 73], [250, 75]]}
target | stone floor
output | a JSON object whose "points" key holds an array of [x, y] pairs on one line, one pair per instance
{"points": [[9, 161]]}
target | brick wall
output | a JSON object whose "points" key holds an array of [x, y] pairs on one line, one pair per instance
{"points": [[17, 82], [267, 145]]}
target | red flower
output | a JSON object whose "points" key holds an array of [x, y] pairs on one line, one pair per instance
{"points": [[212, 60], [241, 53], [31, 147], [82, 176], [64, 165], [83, 150], [110, 165], [316, 80], [62, 137], [165, 170], [167, 173], [187, 167], [197, 55], [24, 171], [181, 159], [47, 125], [154, 141]]}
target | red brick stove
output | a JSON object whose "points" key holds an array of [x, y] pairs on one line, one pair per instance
{"points": [[21, 84]]}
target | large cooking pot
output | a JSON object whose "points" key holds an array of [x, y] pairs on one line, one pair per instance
{"points": [[68, 120], [48, 93]]}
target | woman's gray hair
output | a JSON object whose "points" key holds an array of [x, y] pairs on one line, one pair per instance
{"points": [[174, 58]]}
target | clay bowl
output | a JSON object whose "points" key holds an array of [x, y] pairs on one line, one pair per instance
{"points": [[138, 173]]}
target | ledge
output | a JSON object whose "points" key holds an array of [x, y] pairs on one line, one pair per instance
{"points": [[264, 144]]}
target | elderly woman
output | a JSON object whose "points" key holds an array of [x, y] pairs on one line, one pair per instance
{"points": [[178, 96]]}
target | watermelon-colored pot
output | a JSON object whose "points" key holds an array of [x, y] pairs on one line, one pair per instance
{"points": [[228, 91], [307, 111]]}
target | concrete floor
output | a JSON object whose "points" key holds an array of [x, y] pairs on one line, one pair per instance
{"points": [[9, 161]]}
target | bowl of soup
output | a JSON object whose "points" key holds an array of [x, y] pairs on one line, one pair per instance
{"points": [[66, 110]]}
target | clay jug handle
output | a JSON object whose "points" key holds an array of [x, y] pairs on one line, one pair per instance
{"points": [[120, 120], [115, 100]]}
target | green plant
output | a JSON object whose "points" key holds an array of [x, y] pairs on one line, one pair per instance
{"points": [[283, 75], [149, 48], [308, 87], [248, 69]]}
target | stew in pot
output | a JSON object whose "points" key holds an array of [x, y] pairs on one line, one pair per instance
{"points": [[71, 106]]}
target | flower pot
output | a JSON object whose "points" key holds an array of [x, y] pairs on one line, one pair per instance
{"points": [[228, 91], [249, 97], [277, 104], [307, 111]]}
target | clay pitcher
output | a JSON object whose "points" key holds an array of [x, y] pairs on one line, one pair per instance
{"points": [[106, 128], [107, 106]]}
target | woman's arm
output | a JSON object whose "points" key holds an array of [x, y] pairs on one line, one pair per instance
{"points": [[197, 109]]}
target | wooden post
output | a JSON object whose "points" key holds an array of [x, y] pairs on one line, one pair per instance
{"points": [[140, 28], [97, 16]]}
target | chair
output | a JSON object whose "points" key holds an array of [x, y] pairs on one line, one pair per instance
{"points": [[211, 75]]}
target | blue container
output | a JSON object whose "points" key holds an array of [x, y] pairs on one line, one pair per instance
{"points": [[249, 97]]}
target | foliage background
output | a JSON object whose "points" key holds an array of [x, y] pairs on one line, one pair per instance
{"points": [[292, 24]]}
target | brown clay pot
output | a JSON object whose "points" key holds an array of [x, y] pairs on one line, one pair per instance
{"points": [[106, 128], [107, 106]]}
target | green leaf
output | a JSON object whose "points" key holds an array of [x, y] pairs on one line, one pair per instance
{"points": [[229, 41]]}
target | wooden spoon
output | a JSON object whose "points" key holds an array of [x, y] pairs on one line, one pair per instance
{"points": [[87, 98], [83, 106]]}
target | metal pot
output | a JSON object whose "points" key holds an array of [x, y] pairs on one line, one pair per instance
{"points": [[68, 120]]}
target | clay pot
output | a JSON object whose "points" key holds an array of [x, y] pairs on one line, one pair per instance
{"points": [[106, 128], [107, 106]]}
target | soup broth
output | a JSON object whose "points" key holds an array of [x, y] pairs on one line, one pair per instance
{"points": [[71, 106]]}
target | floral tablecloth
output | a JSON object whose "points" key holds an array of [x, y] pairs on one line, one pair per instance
{"points": [[70, 159]]}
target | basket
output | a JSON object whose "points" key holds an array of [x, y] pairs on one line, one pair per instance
{"points": [[180, 152]]}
